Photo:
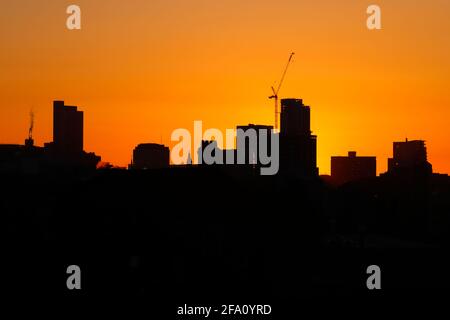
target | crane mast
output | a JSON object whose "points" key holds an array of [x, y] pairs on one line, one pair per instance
{"points": [[275, 92]]}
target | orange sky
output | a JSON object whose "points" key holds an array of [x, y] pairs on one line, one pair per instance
{"points": [[140, 69]]}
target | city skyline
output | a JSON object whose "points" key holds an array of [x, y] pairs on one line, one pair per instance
{"points": [[139, 75], [298, 153], [186, 154]]}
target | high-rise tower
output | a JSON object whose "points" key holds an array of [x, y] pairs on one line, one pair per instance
{"points": [[298, 147], [67, 128]]}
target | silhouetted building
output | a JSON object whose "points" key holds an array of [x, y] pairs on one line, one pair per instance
{"points": [[409, 156], [67, 128], [66, 150], [253, 135], [248, 141], [213, 150], [19, 159], [352, 168], [150, 156], [298, 147]]}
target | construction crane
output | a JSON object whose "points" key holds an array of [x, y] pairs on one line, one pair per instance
{"points": [[275, 92]]}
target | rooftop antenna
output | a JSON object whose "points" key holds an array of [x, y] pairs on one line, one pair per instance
{"points": [[29, 141], [30, 130]]}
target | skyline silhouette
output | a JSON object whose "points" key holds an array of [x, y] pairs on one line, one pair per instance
{"points": [[68, 137], [142, 70], [356, 177], [168, 233]]}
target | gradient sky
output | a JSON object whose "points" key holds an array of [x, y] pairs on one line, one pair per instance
{"points": [[140, 69]]}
